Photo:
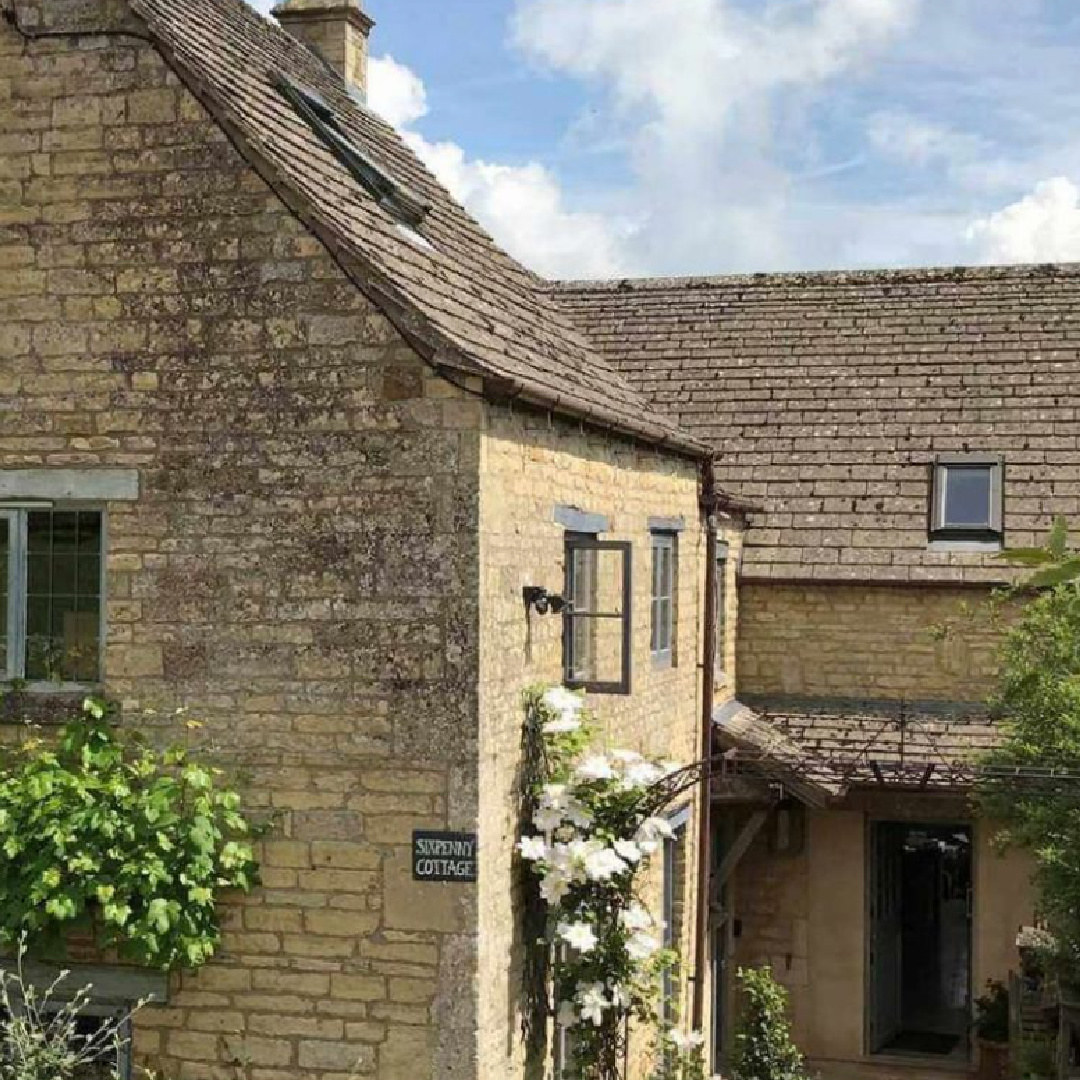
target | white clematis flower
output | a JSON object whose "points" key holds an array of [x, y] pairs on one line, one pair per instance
{"points": [[562, 725], [604, 864], [554, 886], [641, 946], [592, 1003], [547, 819], [643, 774], [595, 767], [561, 700], [637, 918], [579, 935], [533, 848], [627, 850]]}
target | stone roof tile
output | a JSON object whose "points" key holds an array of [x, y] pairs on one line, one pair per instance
{"points": [[474, 309], [827, 396]]}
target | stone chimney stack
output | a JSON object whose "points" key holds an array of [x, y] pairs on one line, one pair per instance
{"points": [[335, 29]]}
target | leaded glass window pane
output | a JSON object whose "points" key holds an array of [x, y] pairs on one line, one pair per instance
{"points": [[63, 595]]}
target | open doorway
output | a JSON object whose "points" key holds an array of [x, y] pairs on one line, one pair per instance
{"points": [[919, 941]]}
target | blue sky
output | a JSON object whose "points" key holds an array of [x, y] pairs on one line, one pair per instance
{"points": [[609, 137]]}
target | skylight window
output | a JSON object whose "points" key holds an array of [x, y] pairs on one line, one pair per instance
{"points": [[967, 498], [406, 207]]}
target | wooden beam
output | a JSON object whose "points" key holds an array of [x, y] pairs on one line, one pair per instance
{"points": [[739, 848]]}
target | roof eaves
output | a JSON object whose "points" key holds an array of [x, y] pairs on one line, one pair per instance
{"points": [[405, 314]]}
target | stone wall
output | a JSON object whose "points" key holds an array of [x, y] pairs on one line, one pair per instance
{"points": [[865, 641], [300, 569], [530, 465]]}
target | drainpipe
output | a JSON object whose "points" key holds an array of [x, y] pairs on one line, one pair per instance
{"points": [[708, 692]]}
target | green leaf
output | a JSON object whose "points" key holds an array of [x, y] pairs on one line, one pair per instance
{"points": [[1055, 575], [1026, 556]]}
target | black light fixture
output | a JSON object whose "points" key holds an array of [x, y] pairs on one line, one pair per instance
{"points": [[540, 600]]}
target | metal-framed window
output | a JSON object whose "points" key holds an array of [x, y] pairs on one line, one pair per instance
{"points": [[52, 564], [596, 620], [967, 499], [674, 913], [663, 620], [721, 598], [407, 207]]}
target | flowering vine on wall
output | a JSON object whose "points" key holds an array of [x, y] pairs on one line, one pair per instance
{"points": [[595, 823]]}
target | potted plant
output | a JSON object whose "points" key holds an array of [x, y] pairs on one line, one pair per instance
{"points": [[992, 1032]]}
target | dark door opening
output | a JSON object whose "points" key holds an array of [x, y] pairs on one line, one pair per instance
{"points": [[920, 939]]}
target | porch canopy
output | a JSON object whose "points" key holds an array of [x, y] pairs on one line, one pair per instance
{"points": [[820, 751]]}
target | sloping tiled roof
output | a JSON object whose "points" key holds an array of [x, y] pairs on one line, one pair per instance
{"points": [[474, 308], [836, 746], [826, 396]]}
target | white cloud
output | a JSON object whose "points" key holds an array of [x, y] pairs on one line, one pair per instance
{"points": [[693, 61], [395, 92], [1043, 226], [521, 205], [901, 136], [712, 97], [738, 135]]}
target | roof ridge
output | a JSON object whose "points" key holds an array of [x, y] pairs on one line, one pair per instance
{"points": [[928, 274]]}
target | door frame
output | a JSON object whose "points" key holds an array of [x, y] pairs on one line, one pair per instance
{"points": [[914, 820]]}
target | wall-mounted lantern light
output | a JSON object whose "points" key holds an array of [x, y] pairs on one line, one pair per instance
{"points": [[541, 601]]}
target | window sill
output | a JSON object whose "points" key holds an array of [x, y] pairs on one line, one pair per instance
{"points": [[112, 983], [959, 544], [44, 704]]}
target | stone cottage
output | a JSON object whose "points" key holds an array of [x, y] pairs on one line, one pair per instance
{"points": [[895, 430], [287, 440]]}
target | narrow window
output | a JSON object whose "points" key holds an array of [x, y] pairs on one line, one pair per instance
{"points": [[596, 621], [674, 914], [967, 498], [663, 620], [721, 599], [51, 566]]}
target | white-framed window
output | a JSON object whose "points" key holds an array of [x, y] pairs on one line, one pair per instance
{"points": [[967, 498], [665, 559], [52, 564]]}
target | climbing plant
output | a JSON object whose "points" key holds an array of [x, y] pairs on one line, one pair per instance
{"points": [[594, 825], [104, 834]]}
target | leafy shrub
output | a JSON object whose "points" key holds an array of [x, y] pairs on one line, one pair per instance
{"points": [[763, 1046], [992, 1013], [1039, 698], [104, 834], [40, 1037]]}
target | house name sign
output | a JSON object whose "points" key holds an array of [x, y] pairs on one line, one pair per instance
{"points": [[443, 856]]}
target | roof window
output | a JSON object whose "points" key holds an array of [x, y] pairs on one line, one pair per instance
{"points": [[967, 498], [406, 207]]}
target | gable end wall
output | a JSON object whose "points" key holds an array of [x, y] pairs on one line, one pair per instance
{"points": [[300, 569]]}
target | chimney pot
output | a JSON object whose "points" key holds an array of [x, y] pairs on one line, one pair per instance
{"points": [[336, 30]]}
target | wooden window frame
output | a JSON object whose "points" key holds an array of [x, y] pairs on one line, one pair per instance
{"points": [[579, 542]]}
